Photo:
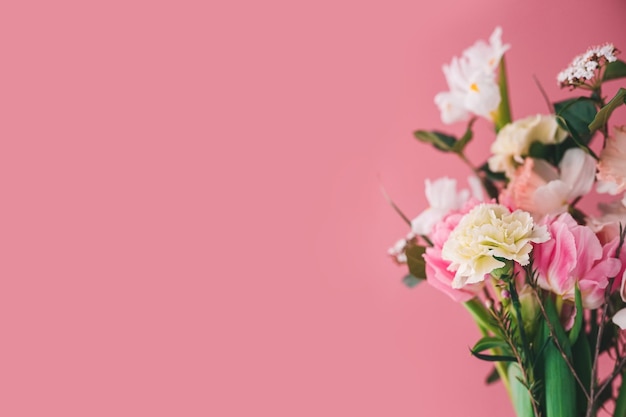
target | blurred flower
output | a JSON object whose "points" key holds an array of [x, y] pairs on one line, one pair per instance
{"points": [[584, 66], [607, 225], [619, 318], [471, 81], [487, 234], [397, 251], [442, 198], [537, 186], [573, 256], [612, 165], [437, 273], [487, 56], [514, 140]]}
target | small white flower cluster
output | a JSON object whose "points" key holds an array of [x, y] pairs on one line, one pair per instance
{"points": [[584, 66], [397, 251]]}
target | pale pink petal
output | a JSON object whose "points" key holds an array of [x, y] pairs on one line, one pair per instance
{"points": [[551, 198], [620, 318], [578, 170], [440, 278], [555, 259]]}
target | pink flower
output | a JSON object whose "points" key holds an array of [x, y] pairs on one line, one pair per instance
{"points": [[607, 225], [611, 249], [612, 165], [540, 189], [574, 255], [437, 273]]}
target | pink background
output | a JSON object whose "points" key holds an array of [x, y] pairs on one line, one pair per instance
{"points": [[191, 216]]}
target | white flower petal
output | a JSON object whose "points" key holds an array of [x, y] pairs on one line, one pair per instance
{"points": [[620, 318], [578, 170]]}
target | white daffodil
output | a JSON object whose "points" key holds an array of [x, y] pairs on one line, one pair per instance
{"points": [[487, 56], [442, 197], [488, 233], [472, 82]]}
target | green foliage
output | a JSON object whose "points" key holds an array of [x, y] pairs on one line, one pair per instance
{"points": [[460, 145], [520, 396], [445, 142], [503, 114], [493, 358], [439, 140], [489, 342], [614, 70], [493, 376], [620, 404], [481, 315], [560, 385], [575, 115], [578, 320], [411, 281], [417, 265], [581, 353], [495, 176], [602, 118]]}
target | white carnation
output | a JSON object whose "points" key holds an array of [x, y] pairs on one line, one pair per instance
{"points": [[484, 236]]}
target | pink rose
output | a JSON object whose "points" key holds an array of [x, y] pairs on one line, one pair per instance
{"points": [[437, 273], [574, 255]]}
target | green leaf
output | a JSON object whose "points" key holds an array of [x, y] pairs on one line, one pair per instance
{"points": [[481, 315], [503, 114], [493, 376], [439, 140], [411, 281], [578, 319], [560, 386], [539, 150], [603, 115], [620, 404], [460, 145], [417, 265], [489, 342], [493, 358], [576, 114], [581, 353], [614, 70], [562, 337], [519, 393]]}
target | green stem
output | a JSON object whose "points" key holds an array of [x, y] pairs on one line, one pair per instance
{"points": [[503, 114], [483, 320]]}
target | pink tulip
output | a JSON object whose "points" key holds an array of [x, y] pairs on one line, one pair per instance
{"points": [[573, 256]]}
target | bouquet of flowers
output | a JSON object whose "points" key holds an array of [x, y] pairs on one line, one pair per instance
{"points": [[543, 280]]}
